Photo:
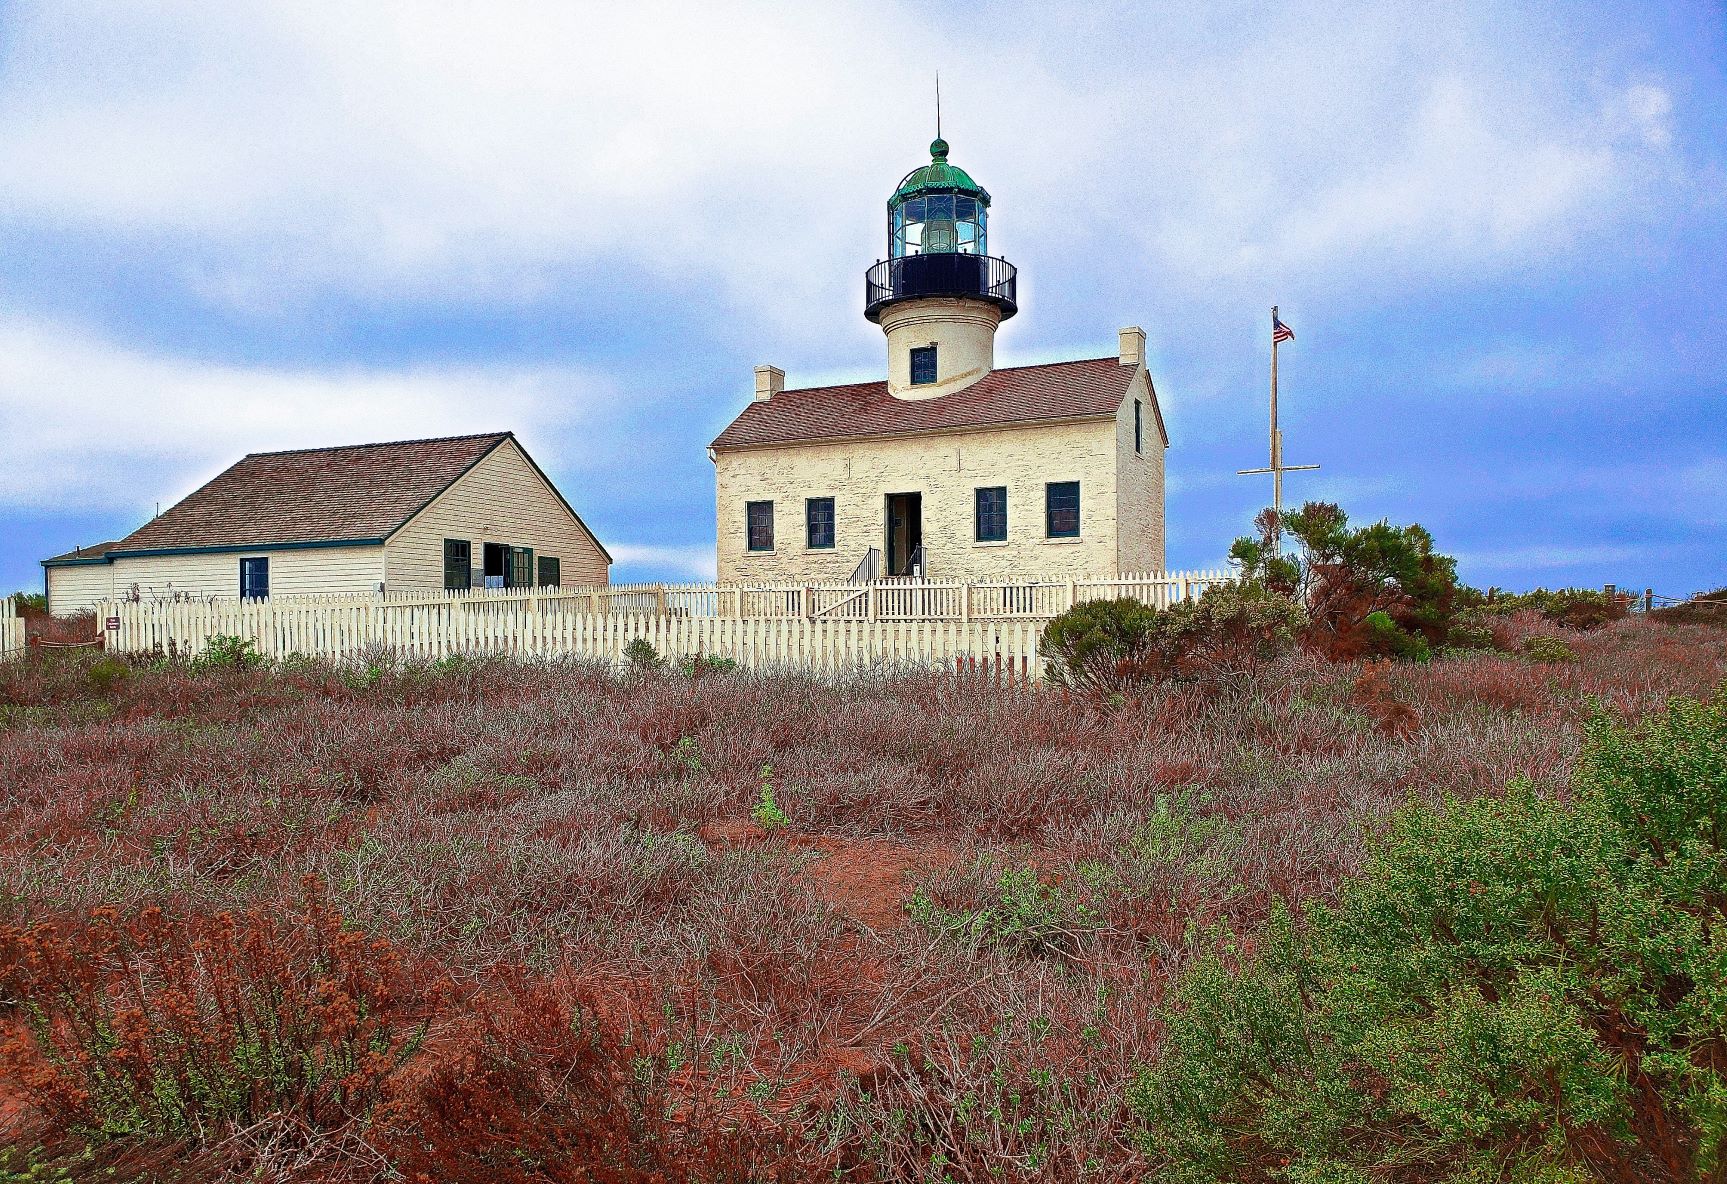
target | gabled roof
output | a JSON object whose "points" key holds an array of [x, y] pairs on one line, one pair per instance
{"points": [[1018, 395], [358, 494], [95, 553]]}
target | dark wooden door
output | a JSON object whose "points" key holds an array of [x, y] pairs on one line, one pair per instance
{"points": [[904, 531]]}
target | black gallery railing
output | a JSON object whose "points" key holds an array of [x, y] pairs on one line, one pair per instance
{"points": [[981, 276]]}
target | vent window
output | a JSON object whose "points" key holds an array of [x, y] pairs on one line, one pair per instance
{"points": [[923, 365], [759, 519], [1061, 509], [819, 520], [992, 514], [458, 565]]}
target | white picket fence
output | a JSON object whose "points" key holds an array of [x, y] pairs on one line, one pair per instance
{"points": [[1004, 649], [992, 626], [11, 629], [1036, 599]]}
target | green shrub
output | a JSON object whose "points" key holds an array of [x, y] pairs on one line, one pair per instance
{"points": [[1469, 632], [1386, 639], [641, 655], [223, 651], [1103, 647], [453, 666], [1229, 632], [1107, 647], [1342, 576], [1547, 649], [36, 1165], [1575, 608], [697, 665], [1516, 989], [107, 672], [32, 603], [766, 811], [1025, 914]]}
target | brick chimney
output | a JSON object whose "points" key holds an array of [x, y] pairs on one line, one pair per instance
{"points": [[1133, 346], [770, 381]]}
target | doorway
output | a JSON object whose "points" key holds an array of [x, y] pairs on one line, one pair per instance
{"points": [[905, 534]]}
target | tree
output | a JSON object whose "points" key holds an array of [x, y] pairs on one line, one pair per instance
{"points": [[1378, 590]]}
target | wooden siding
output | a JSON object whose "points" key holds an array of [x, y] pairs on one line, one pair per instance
{"points": [[78, 588], [293, 572], [500, 500]]}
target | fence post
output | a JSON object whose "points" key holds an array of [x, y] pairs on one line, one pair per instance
{"points": [[1070, 593], [1648, 599]]}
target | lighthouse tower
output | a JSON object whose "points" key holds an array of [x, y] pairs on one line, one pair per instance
{"points": [[939, 295]]}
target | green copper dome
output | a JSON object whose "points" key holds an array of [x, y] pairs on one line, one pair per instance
{"points": [[938, 210], [938, 176]]}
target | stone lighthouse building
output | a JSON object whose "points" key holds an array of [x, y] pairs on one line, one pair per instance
{"points": [[950, 468]]}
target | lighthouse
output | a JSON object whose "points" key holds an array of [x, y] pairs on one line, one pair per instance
{"points": [[939, 296], [947, 467]]}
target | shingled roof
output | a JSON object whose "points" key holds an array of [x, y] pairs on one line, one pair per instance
{"points": [[1088, 389], [360, 493], [93, 553]]}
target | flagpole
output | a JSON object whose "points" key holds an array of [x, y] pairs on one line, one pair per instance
{"points": [[1276, 452], [1276, 467]]}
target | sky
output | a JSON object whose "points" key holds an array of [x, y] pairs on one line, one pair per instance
{"points": [[1498, 230]]}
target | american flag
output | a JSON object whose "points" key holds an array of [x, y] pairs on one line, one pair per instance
{"points": [[1280, 331]]}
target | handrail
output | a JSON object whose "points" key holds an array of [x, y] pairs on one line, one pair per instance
{"points": [[984, 277], [868, 569]]}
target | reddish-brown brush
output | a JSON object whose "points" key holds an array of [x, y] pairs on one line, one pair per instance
{"points": [[504, 921]]}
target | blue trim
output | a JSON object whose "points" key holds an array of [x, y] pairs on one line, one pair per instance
{"points": [[75, 562], [235, 549]]}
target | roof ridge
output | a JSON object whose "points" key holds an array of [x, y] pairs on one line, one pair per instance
{"points": [[1065, 362], [840, 386], [381, 444]]}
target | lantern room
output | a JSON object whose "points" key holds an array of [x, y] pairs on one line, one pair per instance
{"points": [[938, 243], [938, 210]]}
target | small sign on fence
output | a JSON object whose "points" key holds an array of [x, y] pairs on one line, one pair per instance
{"points": [[113, 624]]}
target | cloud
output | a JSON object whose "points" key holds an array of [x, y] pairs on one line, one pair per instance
{"points": [[679, 184], [393, 149], [88, 423]]}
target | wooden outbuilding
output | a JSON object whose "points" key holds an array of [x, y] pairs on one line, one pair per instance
{"points": [[453, 513]]}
